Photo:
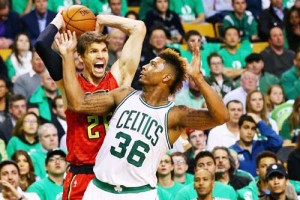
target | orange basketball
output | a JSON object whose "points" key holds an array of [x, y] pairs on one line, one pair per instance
{"points": [[79, 18]]}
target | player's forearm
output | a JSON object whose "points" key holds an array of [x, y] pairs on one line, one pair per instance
{"points": [[127, 25], [214, 102]]}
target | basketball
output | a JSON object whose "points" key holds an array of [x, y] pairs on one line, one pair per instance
{"points": [[79, 18]]}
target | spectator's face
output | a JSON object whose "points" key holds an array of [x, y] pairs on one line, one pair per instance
{"points": [[18, 109], [276, 3], [297, 4], [56, 165], [10, 174], [206, 163], [37, 64], [165, 166], [235, 112], [115, 6], [117, 40], [277, 183], [263, 164], [48, 83], [23, 43], [180, 166], [158, 39], [3, 89], [23, 164], [49, 139], [198, 139], [297, 61], [239, 6], [247, 132], [162, 5], [30, 124], [203, 182], [192, 39], [41, 6], [216, 66], [256, 67], [276, 95], [294, 18], [4, 14], [256, 102], [276, 38], [60, 110], [232, 38], [222, 161], [249, 81]]}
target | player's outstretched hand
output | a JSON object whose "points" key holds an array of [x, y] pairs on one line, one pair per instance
{"points": [[194, 68], [66, 43]]}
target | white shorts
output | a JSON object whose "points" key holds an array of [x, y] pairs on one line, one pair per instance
{"points": [[93, 192]]}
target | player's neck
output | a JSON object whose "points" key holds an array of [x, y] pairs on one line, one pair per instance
{"points": [[93, 80], [155, 96]]}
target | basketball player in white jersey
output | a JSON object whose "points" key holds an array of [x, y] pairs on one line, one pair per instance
{"points": [[144, 124]]}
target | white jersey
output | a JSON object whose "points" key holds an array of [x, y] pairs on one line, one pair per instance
{"points": [[134, 144]]}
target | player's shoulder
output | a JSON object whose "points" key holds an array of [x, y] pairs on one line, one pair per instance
{"points": [[120, 93]]}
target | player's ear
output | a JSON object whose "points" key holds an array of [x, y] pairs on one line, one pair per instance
{"points": [[166, 78]]}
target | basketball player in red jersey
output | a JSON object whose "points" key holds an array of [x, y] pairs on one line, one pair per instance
{"points": [[85, 133]]}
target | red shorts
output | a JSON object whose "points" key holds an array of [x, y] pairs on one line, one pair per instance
{"points": [[75, 185]]}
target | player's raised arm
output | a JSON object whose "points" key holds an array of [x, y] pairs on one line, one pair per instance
{"points": [[97, 104], [125, 67], [201, 119]]}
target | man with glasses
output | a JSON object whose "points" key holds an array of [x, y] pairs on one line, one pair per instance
{"points": [[180, 169], [51, 187]]}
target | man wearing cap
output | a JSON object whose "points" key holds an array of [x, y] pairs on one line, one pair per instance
{"points": [[277, 182], [51, 187], [255, 64]]}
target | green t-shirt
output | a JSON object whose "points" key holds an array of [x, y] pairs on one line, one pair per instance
{"points": [[282, 112], [19, 5], [220, 190], [46, 189], [58, 5], [101, 6], [237, 60], [172, 190], [15, 143], [38, 159], [188, 10], [145, 6]]}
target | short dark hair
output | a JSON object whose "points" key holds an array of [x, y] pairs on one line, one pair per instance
{"points": [[9, 162], [244, 118], [234, 101], [232, 27], [275, 26], [212, 55], [203, 154], [179, 154], [14, 98], [4, 3], [265, 154], [178, 65], [191, 33], [54, 105], [159, 27], [88, 38], [253, 57]]}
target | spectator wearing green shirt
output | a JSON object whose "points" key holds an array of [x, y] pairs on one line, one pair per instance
{"points": [[190, 11], [204, 160], [290, 81], [234, 53], [51, 187], [180, 169], [204, 184], [21, 6], [241, 19]]}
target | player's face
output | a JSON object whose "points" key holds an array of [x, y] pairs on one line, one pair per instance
{"points": [[95, 60], [152, 73], [277, 184], [247, 132], [10, 174], [235, 111], [30, 124], [56, 165], [49, 139], [23, 164], [222, 160], [276, 95], [206, 163], [263, 164], [180, 166], [203, 182], [256, 102], [165, 166], [198, 139]]}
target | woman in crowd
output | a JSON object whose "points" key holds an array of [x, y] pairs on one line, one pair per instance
{"points": [[19, 61], [275, 97], [255, 103], [24, 134], [25, 164], [293, 28]]}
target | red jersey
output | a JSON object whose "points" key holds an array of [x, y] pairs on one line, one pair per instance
{"points": [[86, 133]]}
